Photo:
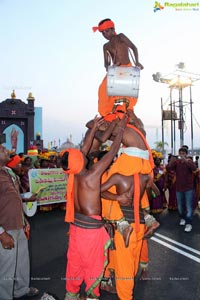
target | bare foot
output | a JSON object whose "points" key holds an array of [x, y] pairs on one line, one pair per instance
{"points": [[150, 230]]}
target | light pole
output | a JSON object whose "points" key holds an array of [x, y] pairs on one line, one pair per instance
{"points": [[171, 123], [191, 122], [179, 79], [174, 127], [181, 118]]}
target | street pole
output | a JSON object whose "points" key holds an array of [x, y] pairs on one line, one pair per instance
{"points": [[192, 146], [181, 119], [174, 124], [171, 122]]}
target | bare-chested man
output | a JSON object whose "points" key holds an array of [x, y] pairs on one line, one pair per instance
{"points": [[86, 260], [135, 155], [135, 160], [118, 46], [124, 195], [116, 52], [124, 190]]}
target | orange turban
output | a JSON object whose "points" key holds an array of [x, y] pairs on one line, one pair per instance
{"points": [[75, 165], [14, 161], [105, 25]]}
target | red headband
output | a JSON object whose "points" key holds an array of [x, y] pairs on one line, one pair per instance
{"points": [[105, 25], [14, 161]]}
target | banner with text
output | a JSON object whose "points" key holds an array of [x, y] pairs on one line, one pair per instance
{"points": [[49, 185]]}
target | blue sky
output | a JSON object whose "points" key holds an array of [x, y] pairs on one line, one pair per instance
{"points": [[48, 48]]}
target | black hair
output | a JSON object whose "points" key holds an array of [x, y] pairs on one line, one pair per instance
{"points": [[183, 149], [27, 158], [101, 154], [64, 161], [96, 154], [21, 154], [102, 21], [185, 146]]}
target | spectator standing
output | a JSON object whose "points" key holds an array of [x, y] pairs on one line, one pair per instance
{"points": [[14, 255], [184, 168]]}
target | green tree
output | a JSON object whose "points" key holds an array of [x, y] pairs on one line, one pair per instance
{"points": [[160, 145]]}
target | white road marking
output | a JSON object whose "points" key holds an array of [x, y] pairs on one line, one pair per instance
{"points": [[176, 249], [177, 243]]}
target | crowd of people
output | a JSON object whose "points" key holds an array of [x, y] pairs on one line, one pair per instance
{"points": [[112, 196]]}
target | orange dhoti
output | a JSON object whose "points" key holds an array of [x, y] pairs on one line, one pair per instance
{"points": [[144, 255], [124, 260], [105, 102]]}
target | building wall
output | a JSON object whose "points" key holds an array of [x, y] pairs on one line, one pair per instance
{"points": [[20, 122]]}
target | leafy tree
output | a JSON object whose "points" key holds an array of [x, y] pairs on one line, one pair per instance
{"points": [[160, 145]]}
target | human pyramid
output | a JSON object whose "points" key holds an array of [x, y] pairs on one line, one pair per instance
{"points": [[107, 202]]}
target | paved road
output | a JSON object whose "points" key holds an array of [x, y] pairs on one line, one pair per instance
{"points": [[174, 269]]}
